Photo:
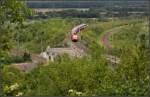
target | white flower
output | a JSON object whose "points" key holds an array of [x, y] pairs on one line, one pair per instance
{"points": [[147, 77], [19, 94], [78, 93], [71, 90], [13, 87]]}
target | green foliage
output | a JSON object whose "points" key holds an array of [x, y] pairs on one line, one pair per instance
{"points": [[11, 12], [37, 36], [136, 33], [88, 76]]}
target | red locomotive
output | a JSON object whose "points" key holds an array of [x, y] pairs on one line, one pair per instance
{"points": [[74, 37], [75, 30]]}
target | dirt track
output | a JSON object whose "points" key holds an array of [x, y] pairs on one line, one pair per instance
{"points": [[105, 42], [105, 38]]}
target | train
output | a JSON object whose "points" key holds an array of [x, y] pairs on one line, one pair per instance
{"points": [[76, 30]]}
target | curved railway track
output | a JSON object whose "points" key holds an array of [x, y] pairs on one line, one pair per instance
{"points": [[107, 34], [77, 49]]}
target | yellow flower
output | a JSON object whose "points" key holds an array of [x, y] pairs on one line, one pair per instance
{"points": [[147, 77]]}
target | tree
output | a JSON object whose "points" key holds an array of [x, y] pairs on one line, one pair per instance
{"points": [[11, 12]]}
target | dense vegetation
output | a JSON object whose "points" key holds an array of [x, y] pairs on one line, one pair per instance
{"points": [[12, 14], [87, 76]]}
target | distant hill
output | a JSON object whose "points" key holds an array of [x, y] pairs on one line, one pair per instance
{"points": [[87, 3]]}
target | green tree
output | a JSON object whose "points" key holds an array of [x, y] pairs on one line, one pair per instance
{"points": [[11, 12]]}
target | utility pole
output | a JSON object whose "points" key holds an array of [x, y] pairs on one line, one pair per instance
{"points": [[42, 42], [18, 42]]}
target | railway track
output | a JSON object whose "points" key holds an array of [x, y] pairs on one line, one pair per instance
{"points": [[37, 59], [107, 35], [106, 43], [76, 49]]}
